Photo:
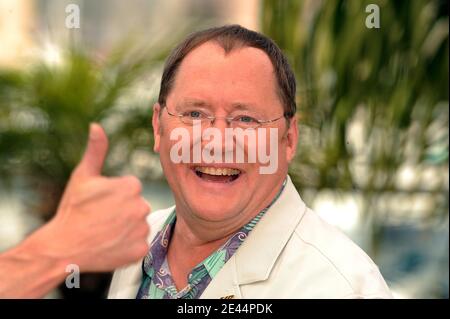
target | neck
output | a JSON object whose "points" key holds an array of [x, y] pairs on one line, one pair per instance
{"points": [[194, 233]]}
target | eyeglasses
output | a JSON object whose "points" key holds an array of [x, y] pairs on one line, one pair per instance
{"points": [[241, 121]]}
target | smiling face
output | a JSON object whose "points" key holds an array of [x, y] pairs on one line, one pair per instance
{"points": [[240, 84]]}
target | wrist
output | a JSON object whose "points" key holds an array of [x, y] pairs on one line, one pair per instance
{"points": [[39, 247], [28, 271], [44, 245]]}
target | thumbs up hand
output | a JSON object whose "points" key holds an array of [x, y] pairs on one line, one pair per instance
{"points": [[97, 147], [101, 221]]}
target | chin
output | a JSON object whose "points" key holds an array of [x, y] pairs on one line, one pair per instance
{"points": [[215, 211]]}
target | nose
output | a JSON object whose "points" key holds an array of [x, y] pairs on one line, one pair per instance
{"points": [[216, 137], [220, 123]]}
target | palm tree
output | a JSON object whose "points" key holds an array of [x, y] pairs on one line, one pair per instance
{"points": [[370, 100]]}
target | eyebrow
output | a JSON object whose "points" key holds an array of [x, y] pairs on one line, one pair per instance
{"points": [[242, 106], [239, 106], [193, 102]]}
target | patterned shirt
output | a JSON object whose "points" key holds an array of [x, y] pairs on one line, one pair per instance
{"points": [[157, 282]]}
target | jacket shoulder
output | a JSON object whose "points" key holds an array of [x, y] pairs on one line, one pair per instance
{"points": [[339, 259]]}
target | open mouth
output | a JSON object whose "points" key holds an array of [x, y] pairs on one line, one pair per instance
{"points": [[219, 175]]}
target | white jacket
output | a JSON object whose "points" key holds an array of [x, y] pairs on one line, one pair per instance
{"points": [[291, 253]]}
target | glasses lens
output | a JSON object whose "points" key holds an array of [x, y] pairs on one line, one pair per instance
{"points": [[244, 125]]}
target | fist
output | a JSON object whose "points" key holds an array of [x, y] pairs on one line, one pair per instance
{"points": [[101, 221]]}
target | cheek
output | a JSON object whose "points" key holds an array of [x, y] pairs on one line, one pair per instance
{"points": [[164, 145], [271, 143], [177, 146]]}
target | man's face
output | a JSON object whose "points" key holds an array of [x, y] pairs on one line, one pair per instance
{"points": [[241, 83]]}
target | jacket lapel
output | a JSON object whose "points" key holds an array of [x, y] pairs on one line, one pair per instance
{"points": [[127, 281]]}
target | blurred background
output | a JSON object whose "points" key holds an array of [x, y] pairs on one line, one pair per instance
{"points": [[373, 107]]}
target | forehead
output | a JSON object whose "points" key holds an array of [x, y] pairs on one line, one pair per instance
{"points": [[243, 75]]}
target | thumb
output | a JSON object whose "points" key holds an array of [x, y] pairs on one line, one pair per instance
{"points": [[97, 147]]}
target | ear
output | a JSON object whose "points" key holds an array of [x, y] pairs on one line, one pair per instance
{"points": [[292, 139], [156, 126]]}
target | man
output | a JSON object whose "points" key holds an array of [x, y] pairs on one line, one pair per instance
{"points": [[100, 225], [236, 232]]}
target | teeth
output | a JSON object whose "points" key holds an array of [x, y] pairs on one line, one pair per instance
{"points": [[218, 171]]}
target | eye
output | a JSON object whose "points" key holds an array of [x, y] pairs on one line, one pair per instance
{"points": [[193, 114], [246, 119]]}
